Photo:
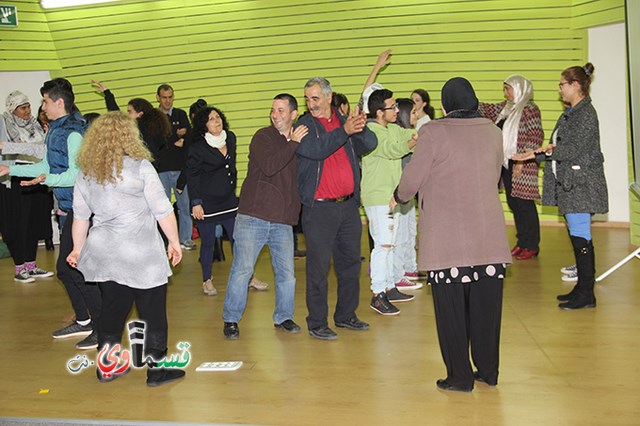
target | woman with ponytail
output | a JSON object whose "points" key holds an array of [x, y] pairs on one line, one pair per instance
{"points": [[574, 177]]}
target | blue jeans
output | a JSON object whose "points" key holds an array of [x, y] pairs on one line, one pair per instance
{"points": [[185, 225], [250, 235], [579, 225]]}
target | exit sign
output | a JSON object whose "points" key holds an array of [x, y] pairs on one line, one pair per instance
{"points": [[8, 16]]}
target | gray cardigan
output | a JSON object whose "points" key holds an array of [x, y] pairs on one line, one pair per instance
{"points": [[579, 185]]}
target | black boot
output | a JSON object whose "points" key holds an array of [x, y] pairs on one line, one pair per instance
{"points": [[583, 296], [568, 296], [111, 340], [157, 376], [576, 252], [48, 243]]}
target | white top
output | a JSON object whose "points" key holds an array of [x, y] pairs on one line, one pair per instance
{"points": [[422, 121], [124, 244]]}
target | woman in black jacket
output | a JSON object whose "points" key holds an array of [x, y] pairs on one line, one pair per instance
{"points": [[212, 177]]}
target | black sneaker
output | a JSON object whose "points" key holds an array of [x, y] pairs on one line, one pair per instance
{"points": [[323, 333], [188, 245], [231, 330], [161, 376], [394, 295], [288, 326], [89, 342], [380, 303], [40, 273], [73, 330], [353, 324]]}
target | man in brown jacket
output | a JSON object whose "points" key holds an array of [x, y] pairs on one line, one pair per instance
{"points": [[269, 206]]}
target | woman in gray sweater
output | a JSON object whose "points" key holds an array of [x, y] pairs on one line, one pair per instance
{"points": [[574, 177]]}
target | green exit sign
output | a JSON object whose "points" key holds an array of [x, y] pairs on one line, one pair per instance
{"points": [[8, 16]]}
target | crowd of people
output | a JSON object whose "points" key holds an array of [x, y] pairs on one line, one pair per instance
{"points": [[113, 181]]}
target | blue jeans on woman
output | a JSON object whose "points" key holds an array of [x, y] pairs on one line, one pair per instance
{"points": [[250, 235], [579, 225]]}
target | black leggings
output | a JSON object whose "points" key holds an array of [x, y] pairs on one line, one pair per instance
{"points": [[117, 301]]}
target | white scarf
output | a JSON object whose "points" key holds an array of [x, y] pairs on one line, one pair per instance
{"points": [[23, 131], [216, 141], [512, 112]]}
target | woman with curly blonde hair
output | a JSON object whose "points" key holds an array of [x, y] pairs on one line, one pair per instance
{"points": [[124, 253], [106, 144]]}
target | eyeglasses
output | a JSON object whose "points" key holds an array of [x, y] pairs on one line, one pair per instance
{"points": [[394, 106], [562, 84]]}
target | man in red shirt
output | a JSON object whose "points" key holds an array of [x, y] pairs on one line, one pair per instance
{"points": [[329, 186]]}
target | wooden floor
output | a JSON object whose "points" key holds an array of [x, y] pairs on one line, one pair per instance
{"points": [[557, 367]]}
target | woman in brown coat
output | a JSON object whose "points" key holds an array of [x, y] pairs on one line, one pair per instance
{"points": [[463, 240]]}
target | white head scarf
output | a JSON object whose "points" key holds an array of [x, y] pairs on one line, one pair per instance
{"points": [[15, 99], [512, 112], [20, 130]]}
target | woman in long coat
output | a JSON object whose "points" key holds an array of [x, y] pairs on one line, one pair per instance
{"points": [[463, 239]]}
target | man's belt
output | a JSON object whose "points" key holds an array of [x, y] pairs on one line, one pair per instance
{"points": [[335, 200]]}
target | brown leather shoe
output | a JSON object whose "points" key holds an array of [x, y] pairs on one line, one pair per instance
{"points": [[516, 250]]}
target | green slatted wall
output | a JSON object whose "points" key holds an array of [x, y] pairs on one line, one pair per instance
{"points": [[29, 47], [592, 13], [237, 54]]}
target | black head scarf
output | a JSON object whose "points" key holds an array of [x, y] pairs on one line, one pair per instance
{"points": [[459, 99]]}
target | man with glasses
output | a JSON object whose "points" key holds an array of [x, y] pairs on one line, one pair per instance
{"points": [[381, 171], [328, 182]]}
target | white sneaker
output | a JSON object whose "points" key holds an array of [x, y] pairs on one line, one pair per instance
{"points": [[23, 277], [208, 288], [572, 277], [257, 284], [568, 270]]}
